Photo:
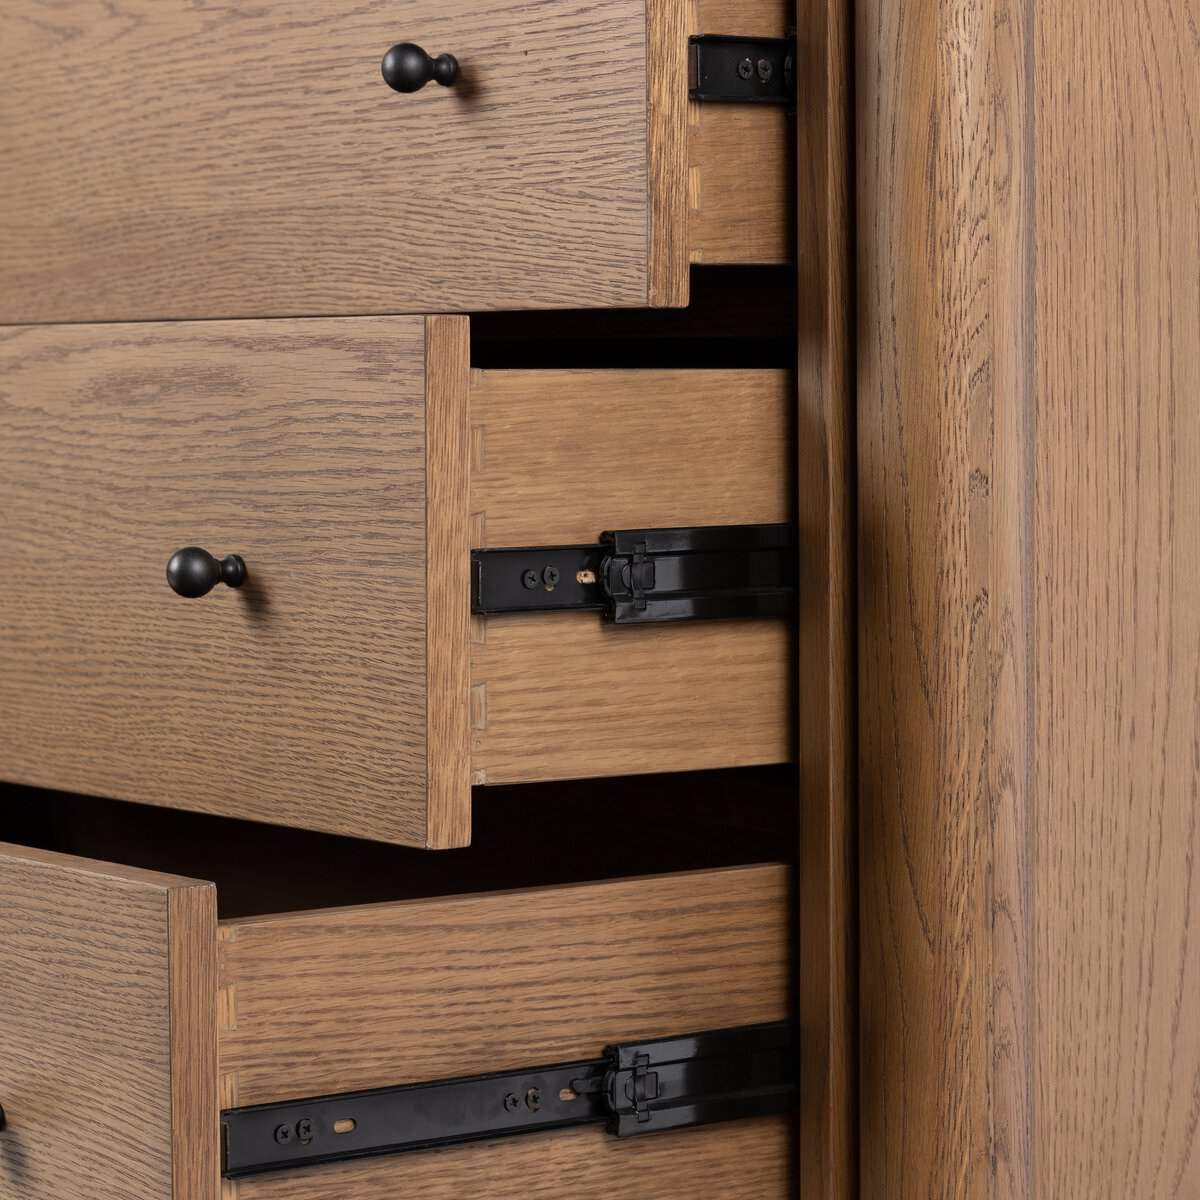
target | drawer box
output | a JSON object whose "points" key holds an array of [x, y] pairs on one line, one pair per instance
{"points": [[134, 1017], [354, 464], [249, 160]]}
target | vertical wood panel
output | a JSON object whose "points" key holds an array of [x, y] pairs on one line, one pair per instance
{"points": [[1030, 625], [1118, 599], [827, 878], [943, 174], [447, 580]]}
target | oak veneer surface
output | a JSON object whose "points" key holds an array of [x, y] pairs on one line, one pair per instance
{"points": [[107, 1046], [249, 160], [1116, 595], [741, 157], [341, 999], [1030, 635], [297, 699], [563, 695]]}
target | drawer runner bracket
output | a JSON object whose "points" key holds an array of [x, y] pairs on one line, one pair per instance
{"points": [[631, 1089], [742, 70], [637, 576]]}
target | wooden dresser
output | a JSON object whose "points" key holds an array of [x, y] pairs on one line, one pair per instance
{"points": [[335, 375]]}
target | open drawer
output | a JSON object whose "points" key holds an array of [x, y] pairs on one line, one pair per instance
{"points": [[354, 465], [250, 160], [139, 1028]]}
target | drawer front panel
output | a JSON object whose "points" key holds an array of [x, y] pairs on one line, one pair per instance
{"points": [[249, 160], [108, 978], [301, 697]]}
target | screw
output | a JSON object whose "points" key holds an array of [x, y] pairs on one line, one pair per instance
{"points": [[530, 579], [511, 1103], [551, 576], [765, 70], [533, 1099], [304, 1130], [745, 68], [283, 1134]]}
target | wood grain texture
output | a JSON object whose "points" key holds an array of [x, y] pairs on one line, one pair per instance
{"points": [[1029, 514], [107, 1040], [195, 1124], [828, 882], [342, 999], [551, 695], [940, 150], [250, 161], [448, 580], [742, 1160], [298, 699], [666, 152], [741, 157], [1116, 530]]}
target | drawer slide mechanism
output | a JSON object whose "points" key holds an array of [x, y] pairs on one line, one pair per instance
{"points": [[635, 576], [633, 1088], [742, 70]]}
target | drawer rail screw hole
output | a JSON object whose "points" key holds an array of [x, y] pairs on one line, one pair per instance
{"points": [[345, 1125]]}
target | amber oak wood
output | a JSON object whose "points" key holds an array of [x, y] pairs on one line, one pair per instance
{"points": [[1115, 527], [564, 696], [343, 999], [124, 998], [741, 157], [1029, 312], [447, 580], [108, 1065], [828, 879], [301, 445], [251, 162]]}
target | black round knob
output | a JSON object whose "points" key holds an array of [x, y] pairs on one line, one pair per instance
{"points": [[194, 572], [407, 68]]}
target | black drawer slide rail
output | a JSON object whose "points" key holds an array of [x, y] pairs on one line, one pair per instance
{"points": [[638, 576], [633, 1088]]}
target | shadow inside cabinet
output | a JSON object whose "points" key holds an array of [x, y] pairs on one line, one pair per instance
{"points": [[530, 835]]}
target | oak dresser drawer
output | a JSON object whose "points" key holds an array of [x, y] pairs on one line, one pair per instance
{"points": [[249, 160], [354, 464], [137, 1024]]}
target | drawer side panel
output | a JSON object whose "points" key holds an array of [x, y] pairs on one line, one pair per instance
{"points": [[345, 999]]}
